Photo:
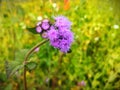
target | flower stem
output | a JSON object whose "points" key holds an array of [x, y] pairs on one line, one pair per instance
{"points": [[26, 58]]}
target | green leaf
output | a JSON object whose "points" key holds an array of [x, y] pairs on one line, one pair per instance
{"points": [[32, 30], [112, 76], [14, 66], [20, 55], [2, 77], [9, 87], [31, 65]]}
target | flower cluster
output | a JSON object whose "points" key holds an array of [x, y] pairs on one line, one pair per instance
{"points": [[43, 27], [58, 33]]}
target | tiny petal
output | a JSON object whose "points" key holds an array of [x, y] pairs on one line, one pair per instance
{"points": [[36, 50], [82, 83]]}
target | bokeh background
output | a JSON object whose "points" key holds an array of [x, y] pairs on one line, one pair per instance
{"points": [[93, 64]]}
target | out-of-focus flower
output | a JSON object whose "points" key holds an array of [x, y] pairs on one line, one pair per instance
{"points": [[66, 4], [36, 50], [82, 83], [116, 26], [39, 18], [47, 80], [96, 38], [54, 5]]}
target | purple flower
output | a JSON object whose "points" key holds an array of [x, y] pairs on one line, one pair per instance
{"points": [[64, 46], [62, 21], [44, 35], [67, 34], [42, 26], [45, 24], [38, 29], [52, 33], [60, 38], [82, 83], [65, 40], [36, 50], [59, 33]]}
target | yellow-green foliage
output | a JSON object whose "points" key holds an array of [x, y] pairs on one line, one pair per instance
{"points": [[95, 56]]}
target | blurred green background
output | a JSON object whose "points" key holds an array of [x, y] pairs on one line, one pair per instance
{"points": [[95, 56]]}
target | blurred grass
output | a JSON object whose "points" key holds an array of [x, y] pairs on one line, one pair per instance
{"points": [[95, 56]]}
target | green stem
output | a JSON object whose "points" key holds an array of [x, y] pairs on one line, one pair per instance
{"points": [[26, 58]]}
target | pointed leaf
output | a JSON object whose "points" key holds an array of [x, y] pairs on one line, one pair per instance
{"points": [[31, 65], [32, 30], [20, 55], [14, 66]]}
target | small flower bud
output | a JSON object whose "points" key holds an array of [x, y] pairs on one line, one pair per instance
{"points": [[36, 50], [44, 35], [38, 29], [45, 25]]}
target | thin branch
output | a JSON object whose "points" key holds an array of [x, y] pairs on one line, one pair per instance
{"points": [[61, 57], [26, 58]]}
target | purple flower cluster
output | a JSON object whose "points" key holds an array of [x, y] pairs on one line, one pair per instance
{"points": [[58, 33], [62, 22], [43, 27]]}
